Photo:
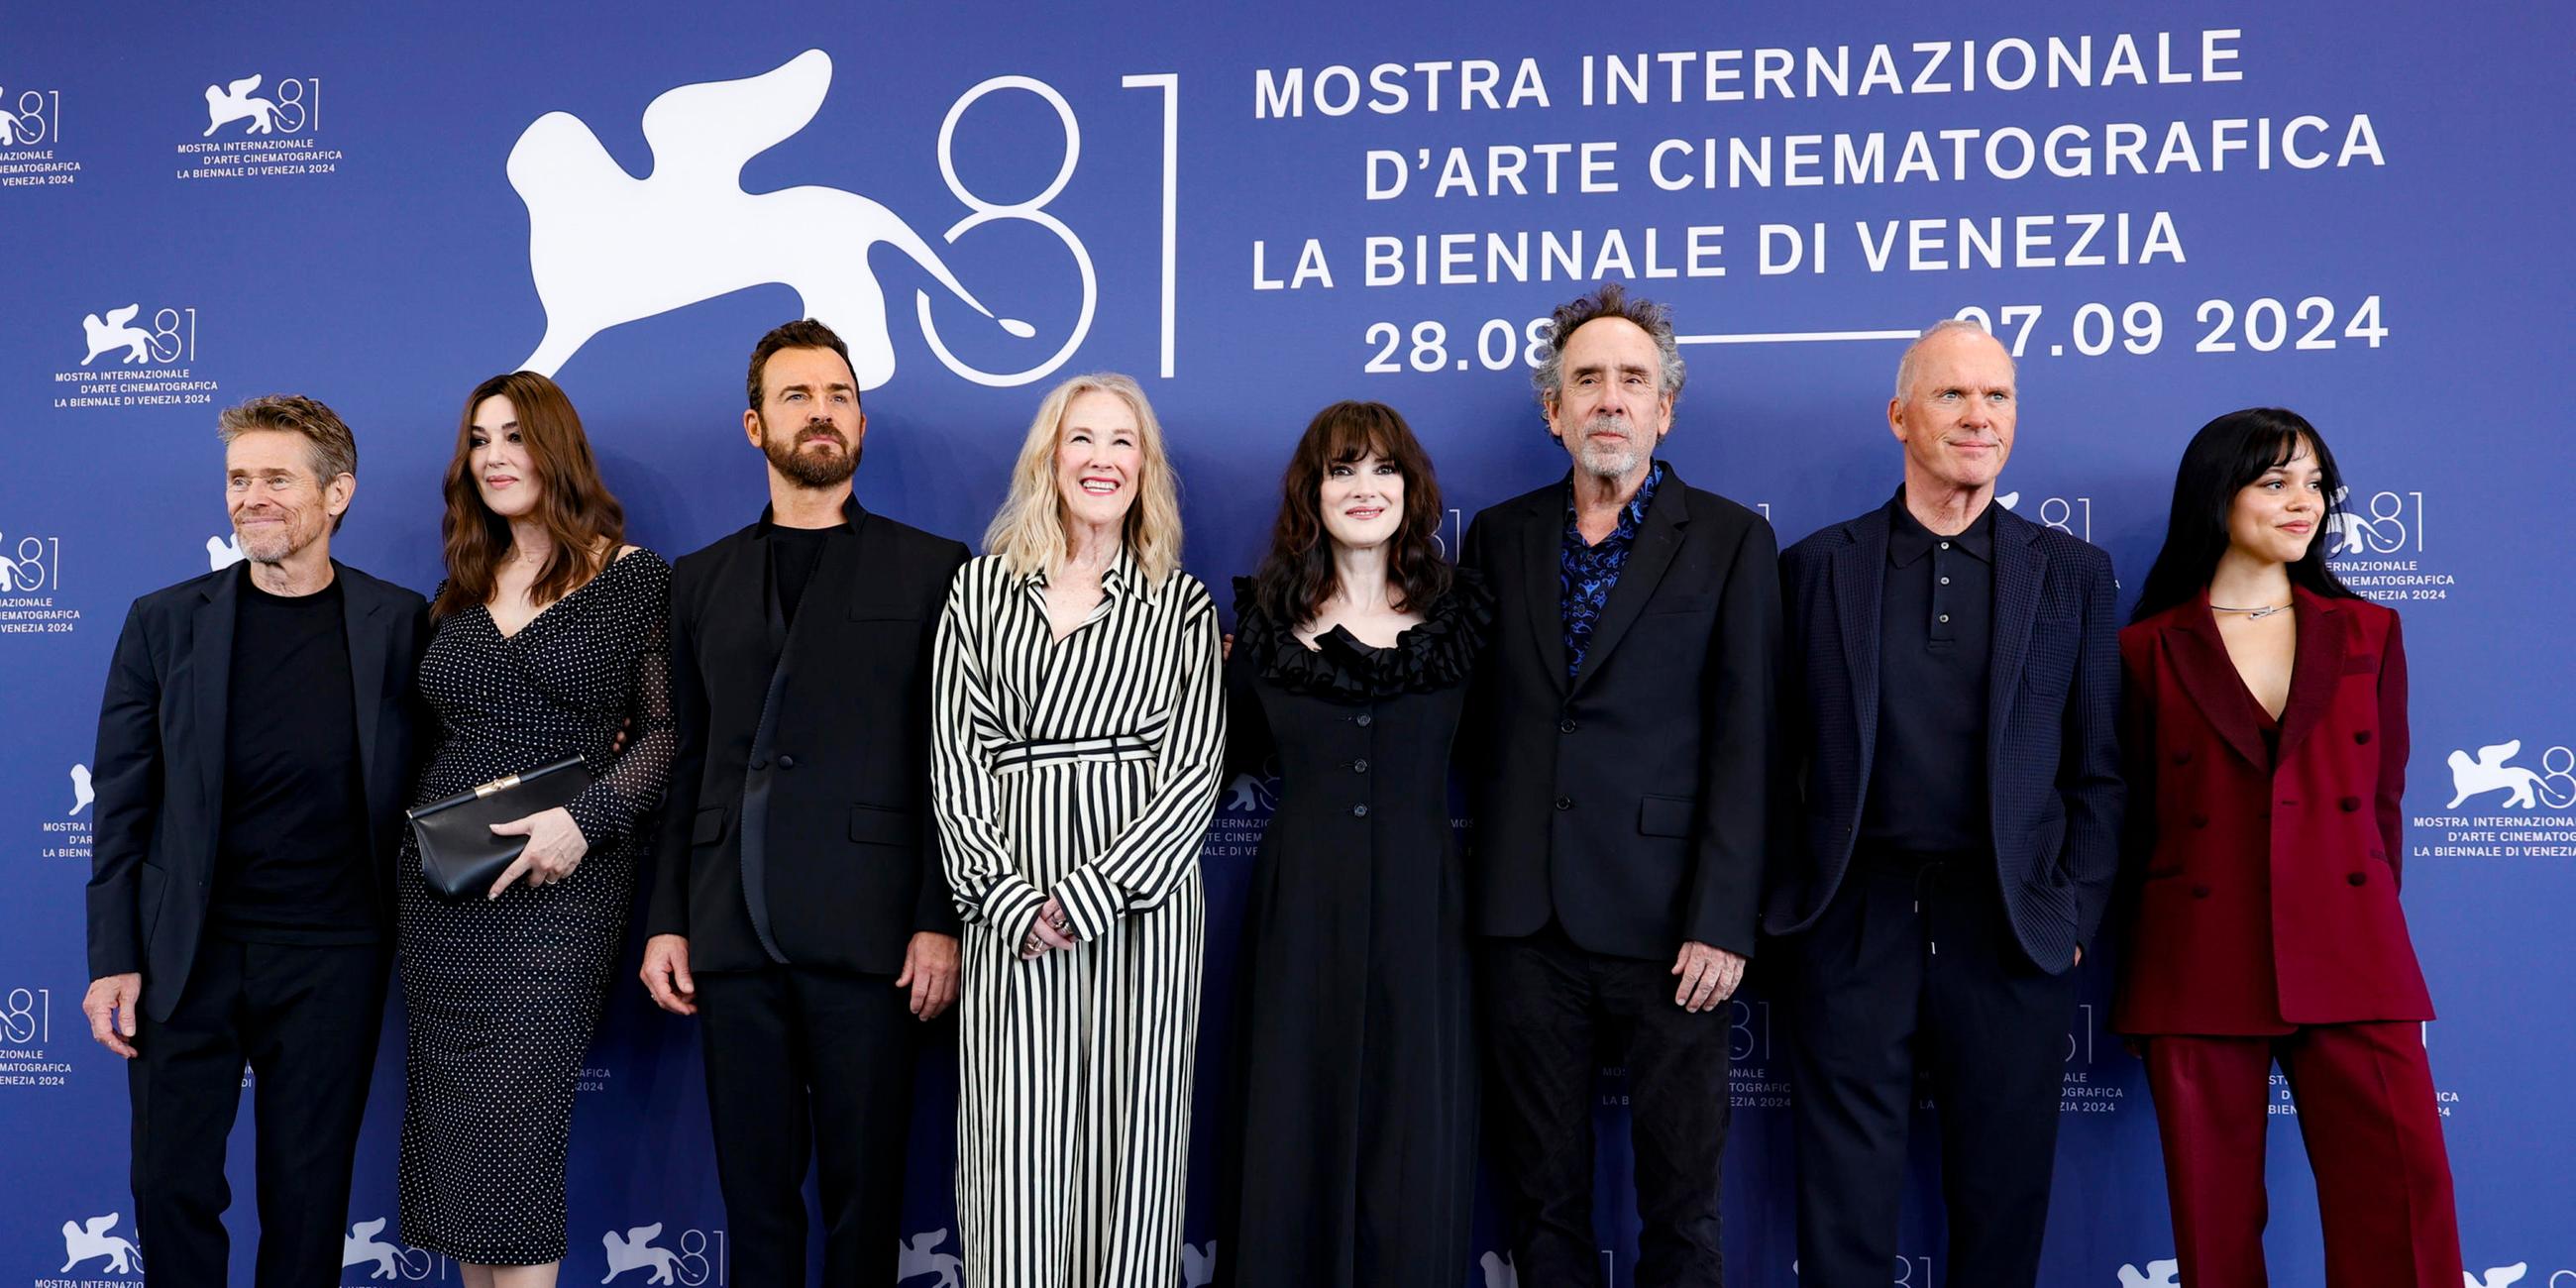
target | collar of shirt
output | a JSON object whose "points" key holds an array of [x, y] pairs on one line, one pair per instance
{"points": [[1119, 580], [850, 512], [1631, 516], [1908, 540]]}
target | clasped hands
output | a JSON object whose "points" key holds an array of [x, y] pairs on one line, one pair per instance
{"points": [[1049, 931]]}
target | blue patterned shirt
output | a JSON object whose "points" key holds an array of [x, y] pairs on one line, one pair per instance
{"points": [[1586, 574]]}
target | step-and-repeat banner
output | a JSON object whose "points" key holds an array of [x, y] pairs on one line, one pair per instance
{"points": [[2166, 211]]}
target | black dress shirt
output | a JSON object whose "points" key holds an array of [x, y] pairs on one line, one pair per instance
{"points": [[1927, 784]]}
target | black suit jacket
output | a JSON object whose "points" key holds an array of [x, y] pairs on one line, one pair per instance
{"points": [[802, 779], [1632, 804], [159, 770], [2052, 740]]}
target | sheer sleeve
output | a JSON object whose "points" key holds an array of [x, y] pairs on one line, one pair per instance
{"points": [[624, 789]]}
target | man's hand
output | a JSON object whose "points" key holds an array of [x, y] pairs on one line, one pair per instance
{"points": [[2079, 954], [666, 974], [930, 971], [1709, 976], [112, 1007]]}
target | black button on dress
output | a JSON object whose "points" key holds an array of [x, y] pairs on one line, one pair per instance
{"points": [[503, 994], [1353, 1138]]}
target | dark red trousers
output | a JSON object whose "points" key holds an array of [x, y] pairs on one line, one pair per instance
{"points": [[2374, 1138]]}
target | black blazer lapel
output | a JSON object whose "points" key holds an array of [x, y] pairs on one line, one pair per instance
{"points": [[1543, 587], [2318, 668], [362, 611], [211, 662], [2020, 570], [1860, 587], [2210, 680], [1659, 538]]}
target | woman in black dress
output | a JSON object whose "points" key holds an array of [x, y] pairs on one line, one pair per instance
{"points": [[1354, 1067], [550, 638]]}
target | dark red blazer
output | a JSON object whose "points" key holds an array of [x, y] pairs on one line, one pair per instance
{"points": [[2264, 897]]}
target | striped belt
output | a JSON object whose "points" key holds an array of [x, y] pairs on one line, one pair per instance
{"points": [[1051, 751]]}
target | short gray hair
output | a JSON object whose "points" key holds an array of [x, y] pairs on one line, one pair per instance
{"points": [[1905, 365], [1609, 300]]}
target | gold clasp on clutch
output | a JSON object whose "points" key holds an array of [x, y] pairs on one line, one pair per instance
{"points": [[497, 785]]}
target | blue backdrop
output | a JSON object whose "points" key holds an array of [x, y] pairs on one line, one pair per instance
{"points": [[2168, 211]]}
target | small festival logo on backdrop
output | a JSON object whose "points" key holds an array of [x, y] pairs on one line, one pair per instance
{"points": [[31, 140], [31, 584], [223, 552], [696, 1259], [2158, 1274], [2504, 804], [134, 356], [91, 1240], [387, 1261], [82, 793], [2375, 544], [922, 1256], [260, 128], [606, 248], [2496, 1276], [2072, 515]]}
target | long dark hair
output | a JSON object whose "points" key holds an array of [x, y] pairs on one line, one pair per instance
{"points": [[1296, 577], [586, 522], [2223, 458]]}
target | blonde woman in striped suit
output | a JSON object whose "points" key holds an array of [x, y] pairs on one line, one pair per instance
{"points": [[1080, 729]]}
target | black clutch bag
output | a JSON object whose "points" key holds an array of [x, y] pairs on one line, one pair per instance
{"points": [[460, 855]]}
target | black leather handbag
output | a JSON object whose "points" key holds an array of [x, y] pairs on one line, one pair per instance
{"points": [[460, 855]]}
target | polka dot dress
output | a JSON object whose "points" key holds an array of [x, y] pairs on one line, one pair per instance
{"points": [[503, 994]]}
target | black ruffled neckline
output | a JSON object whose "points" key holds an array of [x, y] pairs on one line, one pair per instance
{"points": [[1431, 655]]}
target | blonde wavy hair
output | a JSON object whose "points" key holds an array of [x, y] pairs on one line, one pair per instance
{"points": [[1028, 532]]}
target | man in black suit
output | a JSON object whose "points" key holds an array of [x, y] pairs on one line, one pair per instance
{"points": [[255, 748], [1953, 675], [1621, 779], [798, 903]]}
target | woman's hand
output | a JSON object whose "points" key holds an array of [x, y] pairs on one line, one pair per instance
{"points": [[555, 848], [1049, 930]]}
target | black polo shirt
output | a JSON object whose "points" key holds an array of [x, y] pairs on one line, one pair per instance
{"points": [[1927, 781]]}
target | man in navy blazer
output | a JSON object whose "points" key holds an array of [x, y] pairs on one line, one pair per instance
{"points": [[256, 746], [1952, 683]]}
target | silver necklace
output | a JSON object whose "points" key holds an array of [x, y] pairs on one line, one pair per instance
{"points": [[2253, 614]]}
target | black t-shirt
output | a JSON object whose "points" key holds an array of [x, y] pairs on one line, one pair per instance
{"points": [[291, 862], [794, 554]]}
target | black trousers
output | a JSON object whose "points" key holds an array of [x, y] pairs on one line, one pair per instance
{"points": [[1914, 967], [809, 1064], [1551, 1007], [304, 1018]]}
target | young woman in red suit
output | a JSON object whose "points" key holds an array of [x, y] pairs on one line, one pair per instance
{"points": [[2266, 743]]}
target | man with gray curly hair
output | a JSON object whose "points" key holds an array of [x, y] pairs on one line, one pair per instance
{"points": [[1622, 781]]}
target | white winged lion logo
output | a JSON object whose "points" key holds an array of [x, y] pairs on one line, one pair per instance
{"points": [[607, 248]]}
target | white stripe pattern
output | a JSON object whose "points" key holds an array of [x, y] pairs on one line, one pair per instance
{"points": [[1086, 768]]}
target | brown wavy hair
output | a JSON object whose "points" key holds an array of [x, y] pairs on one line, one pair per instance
{"points": [[585, 520], [1297, 575]]}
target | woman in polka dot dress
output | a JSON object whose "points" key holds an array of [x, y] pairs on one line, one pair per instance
{"points": [[550, 638]]}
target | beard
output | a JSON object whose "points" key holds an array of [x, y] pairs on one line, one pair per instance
{"points": [[273, 548], [1604, 460], [810, 469]]}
